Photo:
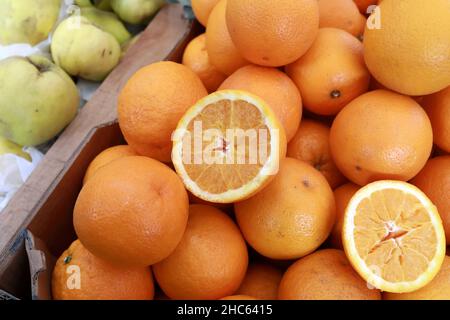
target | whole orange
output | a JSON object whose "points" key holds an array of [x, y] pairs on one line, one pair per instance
{"points": [[133, 211], [324, 275], [79, 275], [311, 144], [196, 58], [292, 216], [274, 87], [210, 261], [407, 45], [272, 33], [340, 14], [106, 157], [222, 52], [381, 135], [434, 181], [342, 195], [151, 104], [261, 281], [332, 73], [437, 107], [202, 9]]}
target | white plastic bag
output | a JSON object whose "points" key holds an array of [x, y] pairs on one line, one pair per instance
{"points": [[14, 171]]}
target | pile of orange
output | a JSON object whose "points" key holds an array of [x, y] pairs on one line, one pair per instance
{"points": [[292, 153]]}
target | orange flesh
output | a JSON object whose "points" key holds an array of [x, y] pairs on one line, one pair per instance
{"points": [[394, 234], [222, 177]]}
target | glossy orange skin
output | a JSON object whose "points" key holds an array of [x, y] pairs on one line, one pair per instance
{"points": [[202, 9], [381, 135], [196, 58], [99, 279], [311, 144], [133, 212], [272, 33], [292, 216], [151, 104], [434, 181], [261, 282], [209, 263], [437, 107], [274, 87], [343, 195], [332, 73], [341, 14], [324, 275]]}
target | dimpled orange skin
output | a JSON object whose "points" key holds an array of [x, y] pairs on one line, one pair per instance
{"points": [[311, 144], [196, 58], [437, 106], [261, 282], [275, 88], [99, 279], [132, 212], [202, 9], [410, 51], [340, 14], [332, 73], [292, 216], [434, 181], [270, 33], [222, 52], [108, 156], [381, 135], [343, 195], [151, 104], [324, 275], [210, 261]]}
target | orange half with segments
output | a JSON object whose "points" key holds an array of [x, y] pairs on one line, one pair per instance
{"points": [[228, 146], [393, 236]]}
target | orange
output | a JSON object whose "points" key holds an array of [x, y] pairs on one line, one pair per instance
{"points": [[438, 289], [272, 33], [437, 107], [410, 54], [79, 275], [196, 58], [261, 282], [228, 146], [106, 157], [434, 181], [363, 5], [274, 87], [393, 236], [311, 144], [222, 52], [133, 211], [340, 14], [202, 9], [381, 135], [343, 194], [151, 104], [238, 297], [210, 261], [292, 216], [324, 275], [332, 73]]}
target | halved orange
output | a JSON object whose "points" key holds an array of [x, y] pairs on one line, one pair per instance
{"points": [[228, 146], [393, 236]]}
